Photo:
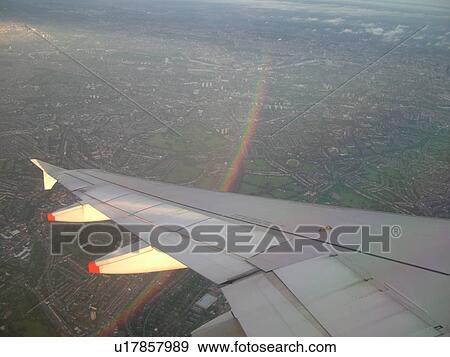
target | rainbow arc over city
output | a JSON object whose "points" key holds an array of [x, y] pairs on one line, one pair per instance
{"points": [[229, 182], [249, 131], [147, 294]]}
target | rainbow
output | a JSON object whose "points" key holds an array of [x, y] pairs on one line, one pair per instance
{"points": [[138, 302], [229, 182], [248, 133]]}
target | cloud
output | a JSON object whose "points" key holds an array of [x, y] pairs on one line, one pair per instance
{"points": [[395, 34], [388, 36], [336, 21], [295, 19], [333, 21], [376, 31]]}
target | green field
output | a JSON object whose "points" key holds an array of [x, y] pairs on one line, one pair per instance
{"points": [[15, 306], [269, 186], [183, 172], [195, 139], [187, 153], [439, 148], [257, 165], [342, 195]]}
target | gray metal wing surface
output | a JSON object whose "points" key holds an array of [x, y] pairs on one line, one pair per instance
{"points": [[339, 292]]}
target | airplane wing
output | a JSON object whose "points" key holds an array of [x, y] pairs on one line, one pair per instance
{"points": [[403, 292]]}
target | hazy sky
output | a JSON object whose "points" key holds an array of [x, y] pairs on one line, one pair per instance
{"points": [[444, 3], [440, 8], [439, 3]]}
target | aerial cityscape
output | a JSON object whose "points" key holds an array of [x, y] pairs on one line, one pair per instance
{"points": [[343, 103]]}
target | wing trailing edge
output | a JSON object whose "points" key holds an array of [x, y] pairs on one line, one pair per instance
{"points": [[134, 259], [79, 213]]}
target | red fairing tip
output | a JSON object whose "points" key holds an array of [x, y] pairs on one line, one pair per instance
{"points": [[50, 217], [93, 268]]}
